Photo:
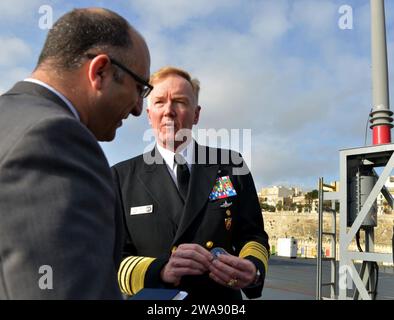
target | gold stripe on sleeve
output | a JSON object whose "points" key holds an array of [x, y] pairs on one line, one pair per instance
{"points": [[125, 273], [138, 274], [257, 250]]}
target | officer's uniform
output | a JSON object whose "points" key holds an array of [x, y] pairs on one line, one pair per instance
{"points": [[221, 210]]}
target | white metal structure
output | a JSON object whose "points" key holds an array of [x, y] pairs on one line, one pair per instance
{"points": [[287, 247], [351, 160]]}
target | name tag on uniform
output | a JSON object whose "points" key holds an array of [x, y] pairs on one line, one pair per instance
{"points": [[141, 209]]}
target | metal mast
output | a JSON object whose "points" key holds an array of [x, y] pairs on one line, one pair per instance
{"points": [[381, 115]]}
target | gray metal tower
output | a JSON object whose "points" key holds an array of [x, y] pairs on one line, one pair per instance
{"points": [[360, 184], [359, 187]]}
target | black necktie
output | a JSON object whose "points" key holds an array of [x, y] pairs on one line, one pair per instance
{"points": [[182, 175]]}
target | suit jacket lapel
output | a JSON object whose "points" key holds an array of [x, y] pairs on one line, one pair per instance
{"points": [[202, 180], [35, 89], [160, 186]]}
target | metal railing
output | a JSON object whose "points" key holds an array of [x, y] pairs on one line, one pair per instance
{"points": [[333, 197]]}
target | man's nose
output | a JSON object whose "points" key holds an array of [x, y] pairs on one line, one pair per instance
{"points": [[137, 109], [169, 109]]}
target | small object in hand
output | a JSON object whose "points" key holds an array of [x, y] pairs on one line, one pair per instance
{"points": [[232, 282], [217, 251]]}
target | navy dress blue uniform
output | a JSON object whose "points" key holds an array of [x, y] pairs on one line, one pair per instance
{"points": [[163, 221]]}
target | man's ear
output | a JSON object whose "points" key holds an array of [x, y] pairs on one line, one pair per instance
{"points": [[99, 68], [197, 114]]}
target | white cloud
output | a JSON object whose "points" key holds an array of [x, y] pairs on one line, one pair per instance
{"points": [[14, 51], [13, 75], [270, 20], [16, 11], [175, 13], [278, 160], [316, 17]]}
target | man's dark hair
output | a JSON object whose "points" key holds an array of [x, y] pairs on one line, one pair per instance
{"points": [[81, 30]]}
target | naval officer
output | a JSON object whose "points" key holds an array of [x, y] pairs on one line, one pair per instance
{"points": [[192, 214]]}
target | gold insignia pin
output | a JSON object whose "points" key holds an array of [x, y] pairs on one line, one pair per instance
{"points": [[209, 244]]}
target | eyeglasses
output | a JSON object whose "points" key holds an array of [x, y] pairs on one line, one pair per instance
{"points": [[144, 87]]}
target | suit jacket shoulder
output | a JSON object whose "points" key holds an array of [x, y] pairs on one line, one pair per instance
{"points": [[57, 203]]}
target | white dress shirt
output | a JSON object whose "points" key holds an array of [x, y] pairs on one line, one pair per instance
{"points": [[168, 157]]}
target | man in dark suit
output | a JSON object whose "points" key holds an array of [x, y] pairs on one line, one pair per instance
{"points": [[60, 221], [183, 203]]}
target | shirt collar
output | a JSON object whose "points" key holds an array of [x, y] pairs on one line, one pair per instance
{"points": [[65, 100], [168, 155]]}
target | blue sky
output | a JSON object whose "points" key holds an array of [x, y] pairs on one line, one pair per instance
{"points": [[281, 68]]}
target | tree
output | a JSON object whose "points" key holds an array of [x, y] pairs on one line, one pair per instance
{"points": [[315, 194], [266, 207], [309, 197]]}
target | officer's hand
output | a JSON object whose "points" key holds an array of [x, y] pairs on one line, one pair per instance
{"points": [[187, 259], [232, 271]]}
